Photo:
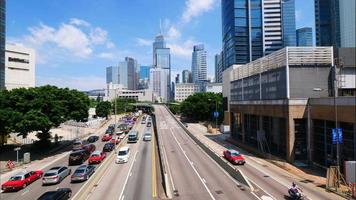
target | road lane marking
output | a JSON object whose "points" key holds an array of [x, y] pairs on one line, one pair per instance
{"points": [[195, 170], [154, 186], [121, 197], [263, 189], [24, 192]]}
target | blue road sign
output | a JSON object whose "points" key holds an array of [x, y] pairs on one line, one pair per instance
{"points": [[334, 136], [216, 114], [339, 138]]}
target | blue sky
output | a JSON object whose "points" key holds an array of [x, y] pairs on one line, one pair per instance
{"points": [[76, 40]]}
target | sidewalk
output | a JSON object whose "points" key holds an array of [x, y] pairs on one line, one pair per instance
{"points": [[218, 143], [48, 160]]}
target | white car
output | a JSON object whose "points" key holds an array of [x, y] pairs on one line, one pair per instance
{"points": [[123, 155], [147, 136]]}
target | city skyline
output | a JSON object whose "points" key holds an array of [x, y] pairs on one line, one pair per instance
{"points": [[102, 43]]}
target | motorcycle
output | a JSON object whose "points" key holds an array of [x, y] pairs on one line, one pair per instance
{"points": [[295, 194]]}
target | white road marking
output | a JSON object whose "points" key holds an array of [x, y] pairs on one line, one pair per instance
{"points": [[266, 198], [195, 170], [121, 197], [24, 192], [263, 190]]}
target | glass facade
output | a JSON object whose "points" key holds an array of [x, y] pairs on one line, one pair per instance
{"points": [[288, 23], [163, 58], [112, 75], [199, 65], [2, 42], [305, 37], [186, 76], [145, 72]]}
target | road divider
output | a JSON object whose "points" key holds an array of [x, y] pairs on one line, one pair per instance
{"points": [[234, 173]]}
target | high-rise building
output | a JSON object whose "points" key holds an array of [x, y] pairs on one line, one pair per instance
{"points": [[199, 65], [186, 74], [158, 84], [125, 74], [177, 78], [144, 72], [218, 68], [19, 67], [159, 43], [254, 28], [327, 28], [305, 37], [347, 23], [288, 23], [2, 42]]}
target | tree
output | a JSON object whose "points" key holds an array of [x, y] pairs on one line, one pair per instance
{"points": [[201, 106], [125, 105], [174, 107], [103, 109]]}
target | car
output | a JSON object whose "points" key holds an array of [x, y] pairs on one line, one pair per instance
{"points": [[119, 132], [55, 175], [90, 148], [78, 157], [93, 138], [97, 157], [59, 194], [108, 147], [132, 137], [78, 144], [121, 137], [143, 121], [234, 157], [106, 137], [147, 136], [21, 180], [110, 130], [82, 173], [115, 140], [149, 124], [123, 155]]}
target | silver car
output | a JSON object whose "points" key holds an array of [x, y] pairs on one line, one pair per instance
{"points": [[55, 175], [147, 136]]}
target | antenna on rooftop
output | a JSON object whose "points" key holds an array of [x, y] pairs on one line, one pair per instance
{"points": [[160, 26]]}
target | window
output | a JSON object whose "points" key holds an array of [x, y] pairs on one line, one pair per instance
{"points": [[240, 22]]}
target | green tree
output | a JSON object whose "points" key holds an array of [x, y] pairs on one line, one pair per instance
{"points": [[103, 109], [174, 107], [200, 106], [124, 105]]}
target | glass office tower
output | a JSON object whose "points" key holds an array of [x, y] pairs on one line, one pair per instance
{"points": [[288, 23], [145, 72], [305, 37], [2, 42], [199, 65]]}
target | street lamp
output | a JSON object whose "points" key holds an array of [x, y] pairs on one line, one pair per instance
{"points": [[216, 111]]}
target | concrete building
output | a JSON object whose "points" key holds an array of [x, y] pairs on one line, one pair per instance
{"points": [[280, 104], [218, 68], [213, 87], [19, 67], [199, 64], [184, 90], [158, 84], [125, 74], [2, 42], [305, 37], [115, 90]]}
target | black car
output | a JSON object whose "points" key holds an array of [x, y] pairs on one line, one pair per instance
{"points": [[110, 131], [82, 173], [60, 194], [93, 139], [78, 157], [108, 147]]}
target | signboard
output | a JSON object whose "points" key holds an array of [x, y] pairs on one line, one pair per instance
{"points": [[17, 149], [337, 135], [216, 114]]}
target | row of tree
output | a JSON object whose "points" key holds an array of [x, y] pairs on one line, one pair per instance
{"points": [[200, 106], [105, 108], [39, 109]]}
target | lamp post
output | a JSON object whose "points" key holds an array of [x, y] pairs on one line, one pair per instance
{"points": [[216, 111]]}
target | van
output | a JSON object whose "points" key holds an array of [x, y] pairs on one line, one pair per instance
{"points": [[132, 137]]}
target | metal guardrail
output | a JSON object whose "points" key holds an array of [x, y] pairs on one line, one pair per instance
{"points": [[234, 173]]}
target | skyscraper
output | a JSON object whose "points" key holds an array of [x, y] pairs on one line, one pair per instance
{"points": [[125, 74], [159, 43], [158, 84], [347, 23], [2, 42], [218, 68], [254, 28], [112, 75], [327, 28], [177, 78], [145, 72], [199, 65], [288, 23], [186, 74], [305, 37]]}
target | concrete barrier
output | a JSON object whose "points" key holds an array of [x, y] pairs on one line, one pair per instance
{"points": [[234, 173]]}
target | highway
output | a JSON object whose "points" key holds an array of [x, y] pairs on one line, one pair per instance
{"points": [[131, 180], [193, 173], [35, 190]]}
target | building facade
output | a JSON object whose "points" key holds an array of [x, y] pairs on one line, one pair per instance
{"points": [[186, 76], [158, 84], [347, 23], [112, 75], [184, 90], [117, 91], [218, 68], [199, 64], [19, 67], [305, 37], [280, 105], [2, 42], [177, 79], [254, 28], [145, 72]]}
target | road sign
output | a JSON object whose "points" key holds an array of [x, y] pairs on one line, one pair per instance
{"points": [[337, 135], [216, 114], [17, 149]]}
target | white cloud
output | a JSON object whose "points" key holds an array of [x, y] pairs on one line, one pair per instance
{"points": [[173, 33], [143, 42], [79, 22], [194, 8], [98, 36], [182, 49], [107, 55], [80, 83], [110, 45]]}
